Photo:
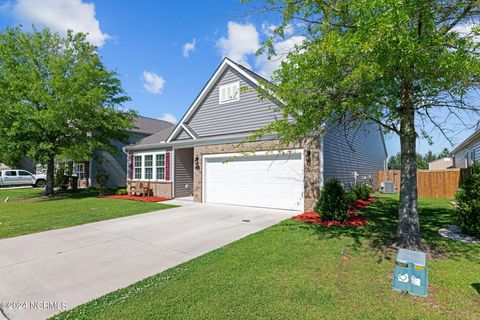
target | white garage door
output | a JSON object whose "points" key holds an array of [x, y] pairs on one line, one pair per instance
{"points": [[268, 180]]}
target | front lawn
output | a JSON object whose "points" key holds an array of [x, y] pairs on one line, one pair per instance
{"points": [[298, 271], [27, 211]]}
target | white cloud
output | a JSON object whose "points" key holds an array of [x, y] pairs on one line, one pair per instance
{"points": [[269, 28], [282, 48], [169, 117], [466, 30], [188, 48], [152, 82], [60, 15], [242, 40]]}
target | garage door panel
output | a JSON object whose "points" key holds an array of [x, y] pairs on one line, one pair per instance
{"points": [[274, 181]]}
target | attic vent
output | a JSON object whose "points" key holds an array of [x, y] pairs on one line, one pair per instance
{"points": [[229, 92]]}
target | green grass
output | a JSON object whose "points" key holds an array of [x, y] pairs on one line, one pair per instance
{"points": [[27, 211], [298, 271]]}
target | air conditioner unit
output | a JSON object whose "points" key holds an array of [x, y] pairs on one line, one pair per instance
{"points": [[387, 187]]}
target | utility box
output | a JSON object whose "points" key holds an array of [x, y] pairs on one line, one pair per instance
{"points": [[411, 273], [388, 187]]}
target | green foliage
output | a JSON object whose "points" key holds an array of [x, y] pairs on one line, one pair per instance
{"points": [[444, 154], [351, 196], [467, 213], [360, 58], [57, 98], [362, 191], [101, 178], [394, 162], [61, 178], [122, 192], [333, 202]]}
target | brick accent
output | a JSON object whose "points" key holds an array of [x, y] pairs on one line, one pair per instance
{"points": [[159, 188], [311, 171]]}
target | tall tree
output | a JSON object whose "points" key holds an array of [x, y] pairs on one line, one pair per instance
{"points": [[395, 162], [445, 154], [390, 62], [429, 157], [57, 98]]}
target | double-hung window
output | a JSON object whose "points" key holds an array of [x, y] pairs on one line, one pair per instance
{"points": [[148, 166], [229, 92], [137, 167], [160, 166], [79, 170]]}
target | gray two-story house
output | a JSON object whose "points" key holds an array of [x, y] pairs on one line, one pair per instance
{"points": [[467, 152], [207, 154]]}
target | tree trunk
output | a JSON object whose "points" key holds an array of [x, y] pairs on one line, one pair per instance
{"points": [[408, 234], [50, 176]]}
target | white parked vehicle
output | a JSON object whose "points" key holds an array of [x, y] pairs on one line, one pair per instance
{"points": [[11, 178]]}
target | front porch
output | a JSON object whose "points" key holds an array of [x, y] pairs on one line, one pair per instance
{"points": [[164, 173]]}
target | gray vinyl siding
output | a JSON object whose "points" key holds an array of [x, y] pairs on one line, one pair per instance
{"points": [[360, 151], [460, 155], [27, 164], [248, 114], [183, 172], [182, 135], [114, 165]]}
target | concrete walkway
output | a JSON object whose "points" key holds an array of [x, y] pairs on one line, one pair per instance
{"points": [[45, 273]]}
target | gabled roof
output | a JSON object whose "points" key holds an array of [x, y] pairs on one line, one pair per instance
{"points": [[160, 136], [149, 125], [466, 142], [226, 62]]}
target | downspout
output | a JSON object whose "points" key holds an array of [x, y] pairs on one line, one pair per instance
{"points": [[90, 167], [128, 164]]}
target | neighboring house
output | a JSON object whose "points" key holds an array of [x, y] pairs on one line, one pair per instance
{"points": [[467, 152], [206, 155], [114, 165], [441, 164]]}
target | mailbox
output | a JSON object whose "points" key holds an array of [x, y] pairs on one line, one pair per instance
{"points": [[411, 273]]}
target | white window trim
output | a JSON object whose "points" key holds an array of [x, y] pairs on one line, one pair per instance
{"points": [[135, 167], [231, 84], [154, 166], [78, 172]]}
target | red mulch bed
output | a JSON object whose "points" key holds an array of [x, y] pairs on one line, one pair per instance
{"points": [[354, 221], [136, 198]]}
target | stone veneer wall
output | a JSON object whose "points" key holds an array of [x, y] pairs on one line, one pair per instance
{"points": [[311, 172], [159, 188]]}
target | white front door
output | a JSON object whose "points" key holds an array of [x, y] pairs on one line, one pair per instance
{"points": [[261, 180]]}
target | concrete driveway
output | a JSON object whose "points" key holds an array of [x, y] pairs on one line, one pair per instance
{"points": [[45, 273]]}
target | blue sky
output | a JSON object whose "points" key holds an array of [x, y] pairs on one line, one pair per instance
{"points": [[165, 51]]}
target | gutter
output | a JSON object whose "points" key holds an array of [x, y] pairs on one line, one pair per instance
{"points": [[237, 138], [466, 141]]}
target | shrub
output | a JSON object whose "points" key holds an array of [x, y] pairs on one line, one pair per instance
{"points": [[333, 203], [102, 179], [351, 196], [362, 191], [61, 178], [122, 192], [467, 212]]}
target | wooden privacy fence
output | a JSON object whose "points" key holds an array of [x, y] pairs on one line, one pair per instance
{"points": [[431, 183]]}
